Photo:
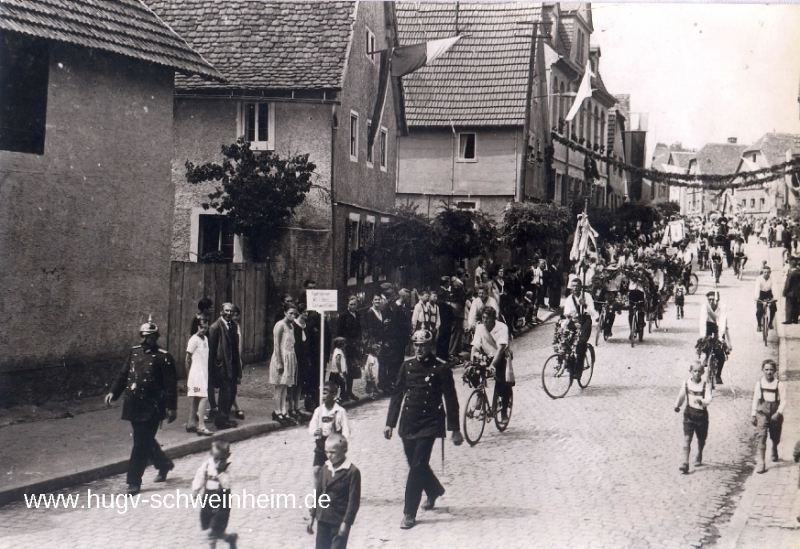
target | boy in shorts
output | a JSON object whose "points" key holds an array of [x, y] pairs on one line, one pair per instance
{"points": [[769, 400], [328, 418], [697, 395]]}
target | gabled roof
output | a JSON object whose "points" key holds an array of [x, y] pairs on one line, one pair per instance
{"points": [[719, 158], [773, 147], [483, 79], [681, 159], [660, 157], [260, 44], [125, 27]]}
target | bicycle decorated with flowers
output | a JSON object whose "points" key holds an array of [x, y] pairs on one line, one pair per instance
{"points": [[561, 368]]}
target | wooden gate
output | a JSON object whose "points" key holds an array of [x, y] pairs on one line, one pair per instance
{"points": [[244, 284]]}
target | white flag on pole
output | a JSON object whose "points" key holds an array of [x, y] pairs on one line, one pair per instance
{"points": [[584, 91]]}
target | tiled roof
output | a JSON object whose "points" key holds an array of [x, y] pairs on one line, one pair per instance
{"points": [[483, 79], [660, 157], [125, 27], [260, 44], [719, 158], [773, 147], [681, 159]]}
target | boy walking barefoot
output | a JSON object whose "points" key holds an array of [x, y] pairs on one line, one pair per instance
{"points": [[769, 400], [697, 395], [340, 480]]}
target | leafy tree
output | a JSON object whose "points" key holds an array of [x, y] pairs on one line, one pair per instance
{"points": [[408, 241], [464, 234], [525, 222], [258, 191]]}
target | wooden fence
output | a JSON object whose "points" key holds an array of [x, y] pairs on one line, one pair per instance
{"points": [[244, 284]]}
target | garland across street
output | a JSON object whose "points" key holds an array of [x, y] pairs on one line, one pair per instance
{"points": [[710, 181]]}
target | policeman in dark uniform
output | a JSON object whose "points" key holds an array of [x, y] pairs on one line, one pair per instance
{"points": [[423, 381], [150, 383]]}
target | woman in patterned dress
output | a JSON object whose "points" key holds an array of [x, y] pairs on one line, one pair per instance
{"points": [[283, 365]]}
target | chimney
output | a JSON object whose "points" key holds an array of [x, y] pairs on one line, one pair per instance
{"points": [[732, 140], [594, 57]]}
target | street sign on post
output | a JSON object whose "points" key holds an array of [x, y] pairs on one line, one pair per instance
{"points": [[322, 301]]}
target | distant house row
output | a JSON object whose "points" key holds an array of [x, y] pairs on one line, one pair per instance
{"points": [[102, 104], [769, 199]]}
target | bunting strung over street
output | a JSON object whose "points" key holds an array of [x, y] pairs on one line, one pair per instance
{"points": [[707, 181]]}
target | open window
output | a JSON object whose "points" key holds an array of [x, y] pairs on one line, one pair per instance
{"points": [[257, 124], [354, 136], [24, 73], [466, 147], [383, 148], [215, 239]]}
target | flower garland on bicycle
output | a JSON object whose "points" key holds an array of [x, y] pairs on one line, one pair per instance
{"points": [[491, 339], [579, 307]]}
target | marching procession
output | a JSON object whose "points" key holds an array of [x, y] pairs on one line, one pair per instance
{"points": [[387, 274], [642, 275]]}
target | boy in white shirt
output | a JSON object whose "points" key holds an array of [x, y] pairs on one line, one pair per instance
{"points": [[769, 400], [697, 395], [328, 418]]}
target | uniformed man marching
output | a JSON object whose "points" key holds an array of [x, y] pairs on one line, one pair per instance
{"points": [[423, 381], [150, 383]]}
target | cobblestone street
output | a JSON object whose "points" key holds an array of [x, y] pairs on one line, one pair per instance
{"points": [[598, 468]]}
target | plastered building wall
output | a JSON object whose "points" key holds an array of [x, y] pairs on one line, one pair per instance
{"points": [[85, 227]]}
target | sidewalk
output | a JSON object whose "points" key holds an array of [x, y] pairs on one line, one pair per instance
{"points": [[48, 455], [766, 514]]}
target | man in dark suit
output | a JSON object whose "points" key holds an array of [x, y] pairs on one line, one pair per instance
{"points": [[397, 332], [791, 293], [423, 382], [150, 383], [224, 363], [447, 314]]}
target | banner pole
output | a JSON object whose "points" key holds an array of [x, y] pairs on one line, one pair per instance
{"points": [[321, 355]]}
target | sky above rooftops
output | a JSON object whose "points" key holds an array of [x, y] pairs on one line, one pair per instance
{"points": [[703, 72]]}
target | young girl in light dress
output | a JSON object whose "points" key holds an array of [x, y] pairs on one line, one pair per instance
{"points": [[197, 382], [283, 366]]}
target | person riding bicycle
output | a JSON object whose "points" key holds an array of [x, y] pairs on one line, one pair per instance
{"points": [[702, 250], [579, 306], [716, 264], [635, 295], [714, 321], [738, 253], [765, 290], [608, 294], [491, 339]]}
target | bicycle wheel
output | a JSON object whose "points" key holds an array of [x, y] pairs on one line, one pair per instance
{"points": [[692, 288], [588, 368], [600, 324], [632, 323], [556, 379], [499, 422], [712, 370], [640, 326], [473, 419], [650, 325], [765, 324]]}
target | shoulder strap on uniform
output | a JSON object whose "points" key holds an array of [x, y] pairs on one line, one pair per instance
{"points": [[137, 346]]}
